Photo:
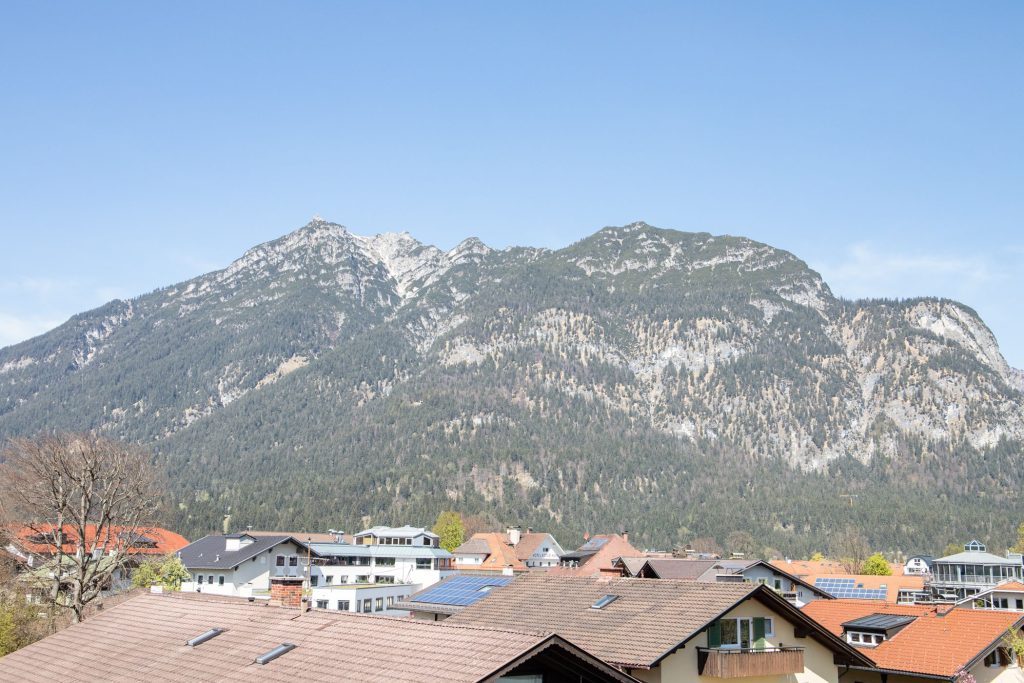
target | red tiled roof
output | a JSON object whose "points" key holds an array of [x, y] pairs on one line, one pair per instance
{"points": [[501, 556], [165, 542], [600, 563], [939, 642]]}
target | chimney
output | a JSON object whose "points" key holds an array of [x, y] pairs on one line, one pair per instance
{"points": [[529, 529], [625, 535], [513, 536], [586, 536], [227, 524], [286, 591]]}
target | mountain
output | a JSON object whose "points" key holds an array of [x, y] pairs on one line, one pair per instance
{"points": [[679, 384]]}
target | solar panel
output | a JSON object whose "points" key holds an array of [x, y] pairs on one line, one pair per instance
{"points": [[462, 590], [849, 588]]}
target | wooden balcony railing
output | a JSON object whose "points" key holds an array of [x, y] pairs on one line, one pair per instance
{"points": [[738, 663]]}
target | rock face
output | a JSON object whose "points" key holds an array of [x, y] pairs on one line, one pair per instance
{"points": [[677, 383]]}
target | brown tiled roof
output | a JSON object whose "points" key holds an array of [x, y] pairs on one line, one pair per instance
{"points": [[939, 641], [649, 619], [600, 563], [672, 568], [144, 639], [163, 541], [528, 544], [500, 553]]}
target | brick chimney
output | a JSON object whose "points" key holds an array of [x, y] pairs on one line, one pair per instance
{"points": [[286, 591], [625, 535]]}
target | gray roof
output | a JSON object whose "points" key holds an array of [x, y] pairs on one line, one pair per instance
{"points": [[209, 551], [879, 622], [474, 546], [349, 550], [978, 557], [397, 531]]}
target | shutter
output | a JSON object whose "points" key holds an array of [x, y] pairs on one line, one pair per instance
{"points": [[759, 633], [715, 634]]}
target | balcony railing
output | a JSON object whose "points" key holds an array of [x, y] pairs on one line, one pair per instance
{"points": [[739, 663]]}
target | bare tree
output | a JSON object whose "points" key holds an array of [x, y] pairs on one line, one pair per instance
{"points": [[852, 549], [88, 498]]}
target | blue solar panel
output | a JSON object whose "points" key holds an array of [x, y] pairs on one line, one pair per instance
{"points": [[849, 588], [461, 590]]}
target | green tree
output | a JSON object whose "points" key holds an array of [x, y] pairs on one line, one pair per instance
{"points": [[450, 528], [817, 557], [168, 572], [20, 624], [952, 549], [1020, 539], [876, 565]]}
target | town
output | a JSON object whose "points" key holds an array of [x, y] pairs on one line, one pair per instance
{"points": [[393, 603]]}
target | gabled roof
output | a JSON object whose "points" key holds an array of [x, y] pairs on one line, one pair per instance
{"points": [[677, 568], [144, 638], [1005, 587], [530, 541], [938, 642], [649, 620], [978, 557], [149, 540], [500, 555], [209, 552], [397, 532], [597, 556]]}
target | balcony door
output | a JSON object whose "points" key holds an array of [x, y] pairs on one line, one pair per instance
{"points": [[737, 633]]}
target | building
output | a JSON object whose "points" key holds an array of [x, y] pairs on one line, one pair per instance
{"points": [[795, 590], [804, 568], [202, 638], [1004, 596], [973, 571], [919, 564], [35, 543], [897, 589], [383, 566], [597, 556], [241, 564], [923, 643], [668, 631], [512, 550], [452, 595]]}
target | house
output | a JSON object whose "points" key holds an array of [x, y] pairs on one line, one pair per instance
{"points": [[1004, 596], [510, 551], [37, 542], [919, 564], [385, 565], [203, 638], [667, 631], [922, 643], [962, 575], [899, 588], [241, 564], [451, 595], [795, 590], [597, 556]]}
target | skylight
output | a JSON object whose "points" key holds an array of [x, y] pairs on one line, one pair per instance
{"points": [[281, 649], [604, 601], [203, 637]]}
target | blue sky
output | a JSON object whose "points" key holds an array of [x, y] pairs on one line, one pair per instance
{"points": [[142, 144]]}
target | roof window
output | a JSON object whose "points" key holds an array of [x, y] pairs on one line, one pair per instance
{"points": [[203, 637], [604, 601], [281, 649]]}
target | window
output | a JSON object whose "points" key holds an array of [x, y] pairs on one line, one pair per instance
{"points": [[854, 637], [220, 580], [342, 605], [280, 560], [363, 578], [769, 627], [384, 579], [603, 601], [209, 579], [293, 561], [328, 579], [378, 605], [426, 541], [1020, 604], [314, 580], [778, 584], [423, 563], [199, 579], [367, 603], [321, 604], [741, 633], [384, 562], [391, 601]]}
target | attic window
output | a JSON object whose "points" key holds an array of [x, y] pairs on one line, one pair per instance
{"points": [[484, 589], [203, 637], [604, 601], [281, 649]]}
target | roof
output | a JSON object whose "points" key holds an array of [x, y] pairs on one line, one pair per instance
{"points": [[209, 551], [936, 643], [452, 594], [871, 586], [144, 638], [805, 568], [879, 621], [632, 565], [150, 540], [673, 568], [500, 554], [1005, 587], [650, 619], [397, 531], [349, 550], [978, 557], [311, 536], [529, 542], [597, 556]]}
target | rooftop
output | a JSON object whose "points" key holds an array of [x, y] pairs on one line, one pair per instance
{"points": [[145, 638], [145, 540], [935, 643], [397, 531], [451, 595], [210, 552]]}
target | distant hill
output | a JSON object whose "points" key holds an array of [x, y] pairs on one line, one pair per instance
{"points": [[678, 384]]}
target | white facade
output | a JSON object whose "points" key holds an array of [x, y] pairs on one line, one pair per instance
{"points": [[917, 566], [546, 554], [240, 572]]}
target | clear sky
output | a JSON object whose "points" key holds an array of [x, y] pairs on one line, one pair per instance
{"points": [[144, 143]]}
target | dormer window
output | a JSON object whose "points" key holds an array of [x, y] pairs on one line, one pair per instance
{"points": [[604, 601]]}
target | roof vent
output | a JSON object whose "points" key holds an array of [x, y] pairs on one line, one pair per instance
{"points": [[203, 637], [281, 649], [604, 601]]}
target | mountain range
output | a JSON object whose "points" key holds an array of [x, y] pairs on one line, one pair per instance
{"points": [[681, 385]]}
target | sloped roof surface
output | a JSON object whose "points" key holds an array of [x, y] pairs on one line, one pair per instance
{"points": [[157, 541], [500, 553], [144, 639], [867, 582], [209, 551], [936, 643], [605, 550], [650, 616], [529, 543], [675, 568]]}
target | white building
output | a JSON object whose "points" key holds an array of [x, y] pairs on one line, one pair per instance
{"points": [[382, 566], [919, 565], [241, 564]]}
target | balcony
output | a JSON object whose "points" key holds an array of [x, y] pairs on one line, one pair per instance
{"points": [[740, 663]]}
